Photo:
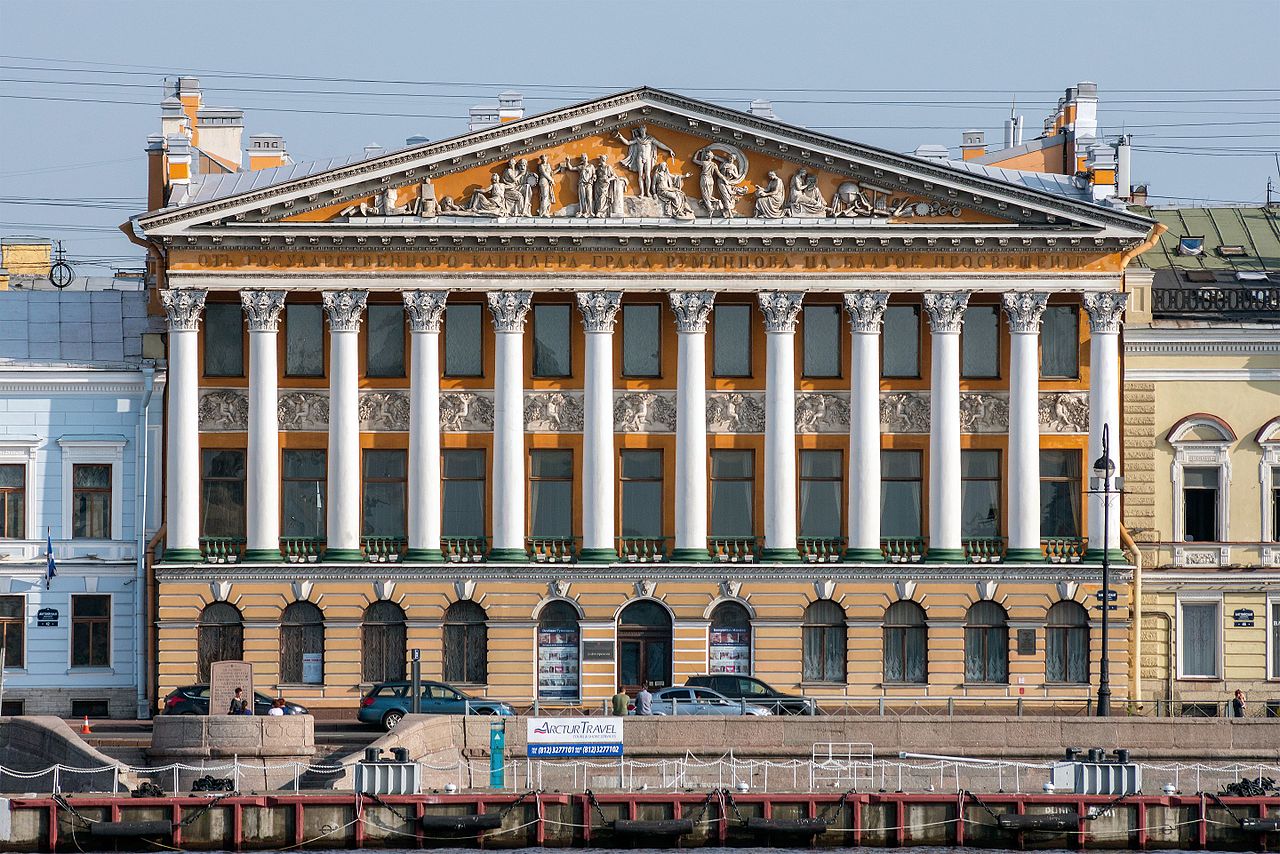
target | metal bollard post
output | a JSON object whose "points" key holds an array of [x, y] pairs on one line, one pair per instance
{"points": [[951, 707], [1019, 707], [881, 706], [415, 671]]}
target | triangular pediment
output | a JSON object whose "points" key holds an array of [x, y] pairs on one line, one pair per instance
{"points": [[646, 159]]}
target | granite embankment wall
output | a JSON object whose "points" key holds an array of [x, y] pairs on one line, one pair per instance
{"points": [[31, 744]]}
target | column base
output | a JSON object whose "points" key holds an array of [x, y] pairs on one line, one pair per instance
{"points": [[1024, 556], [863, 556], [342, 556], [769, 555], [263, 555], [1090, 556], [598, 556], [690, 556], [507, 556], [946, 556], [182, 555], [424, 556]]}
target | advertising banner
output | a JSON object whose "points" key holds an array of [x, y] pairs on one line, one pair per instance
{"points": [[552, 738]]}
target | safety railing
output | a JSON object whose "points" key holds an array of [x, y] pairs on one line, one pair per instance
{"points": [[1215, 300], [464, 549], [821, 549], [1063, 549], [552, 549], [642, 549], [302, 549], [903, 549], [222, 549], [732, 549], [984, 549], [383, 549]]}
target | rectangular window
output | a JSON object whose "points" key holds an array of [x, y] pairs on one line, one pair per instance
{"points": [[641, 340], [821, 490], [1275, 505], [551, 494], [1060, 493], [385, 493], [303, 340], [1273, 611], [980, 342], [463, 493], [302, 494], [222, 493], [551, 347], [901, 485], [1200, 505], [1060, 342], [91, 501], [641, 475], [901, 341], [90, 631], [732, 344], [1199, 638], [464, 340], [384, 341], [822, 340], [980, 493], [13, 627], [13, 501], [732, 494], [223, 340]]}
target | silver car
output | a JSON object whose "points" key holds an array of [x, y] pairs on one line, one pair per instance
{"points": [[684, 700]]}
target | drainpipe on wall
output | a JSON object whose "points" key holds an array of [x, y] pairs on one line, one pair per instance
{"points": [[140, 478], [1135, 620]]}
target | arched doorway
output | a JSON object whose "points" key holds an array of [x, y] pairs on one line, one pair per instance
{"points": [[644, 646]]}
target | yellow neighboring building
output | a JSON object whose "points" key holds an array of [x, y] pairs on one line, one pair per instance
{"points": [[1202, 455]]}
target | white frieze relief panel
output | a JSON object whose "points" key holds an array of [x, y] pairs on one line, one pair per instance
{"points": [[466, 412], [224, 410], [822, 412], [1208, 556], [553, 411], [735, 412], [904, 412], [984, 412], [1064, 412], [644, 411], [384, 411], [303, 410]]}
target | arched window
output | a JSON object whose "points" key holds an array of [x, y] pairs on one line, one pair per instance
{"points": [[729, 647], [382, 638], [466, 643], [558, 652], [825, 639], [302, 644], [905, 636], [219, 637], [986, 643], [1066, 643]]}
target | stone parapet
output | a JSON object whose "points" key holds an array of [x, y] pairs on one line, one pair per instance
{"points": [[267, 748]]}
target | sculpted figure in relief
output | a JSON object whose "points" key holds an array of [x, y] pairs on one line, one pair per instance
{"points": [[425, 205], [642, 157], [720, 178], [383, 204], [667, 189], [546, 186], [611, 188], [771, 198], [586, 183], [644, 411], [806, 199], [490, 202]]}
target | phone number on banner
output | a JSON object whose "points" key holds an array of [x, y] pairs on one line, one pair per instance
{"points": [[548, 750]]}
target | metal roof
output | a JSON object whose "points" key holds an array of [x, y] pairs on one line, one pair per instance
{"points": [[1255, 230], [100, 328], [220, 186], [1046, 182]]}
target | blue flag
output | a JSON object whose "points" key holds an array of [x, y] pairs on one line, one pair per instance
{"points": [[52, 568]]}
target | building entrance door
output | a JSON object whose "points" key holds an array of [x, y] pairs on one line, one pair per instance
{"points": [[644, 646]]}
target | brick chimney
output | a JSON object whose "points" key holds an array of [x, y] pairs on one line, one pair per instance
{"points": [[267, 150], [973, 144], [510, 106]]}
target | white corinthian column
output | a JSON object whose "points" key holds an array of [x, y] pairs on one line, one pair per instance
{"points": [[598, 309], [1023, 309], [342, 535], [182, 475], [946, 317], [1105, 308], [425, 310], [263, 507], [508, 310], [691, 308], [780, 310], [866, 318]]}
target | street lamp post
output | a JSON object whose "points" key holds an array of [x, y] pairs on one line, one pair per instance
{"points": [[1102, 483]]}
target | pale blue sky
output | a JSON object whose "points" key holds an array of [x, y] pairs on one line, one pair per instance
{"points": [[839, 59]]}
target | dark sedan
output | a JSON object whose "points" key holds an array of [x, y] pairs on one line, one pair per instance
{"points": [[194, 700], [755, 691]]}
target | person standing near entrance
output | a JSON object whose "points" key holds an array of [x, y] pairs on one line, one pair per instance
{"points": [[644, 701], [620, 701], [1237, 704], [239, 705]]}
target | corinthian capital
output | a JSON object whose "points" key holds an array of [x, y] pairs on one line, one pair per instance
{"points": [[946, 310], [509, 309], [780, 308], [426, 309], [344, 309], [263, 309], [183, 306], [599, 309], [691, 308], [1024, 309], [1105, 309], [866, 310]]}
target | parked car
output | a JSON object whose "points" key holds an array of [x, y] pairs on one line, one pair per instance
{"points": [[387, 703], [194, 700], [755, 691], [684, 700]]}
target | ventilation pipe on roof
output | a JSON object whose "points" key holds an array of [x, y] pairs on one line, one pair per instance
{"points": [[510, 106], [763, 108], [267, 150], [1086, 109], [482, 116], [1012, 129], [1124, 170]]}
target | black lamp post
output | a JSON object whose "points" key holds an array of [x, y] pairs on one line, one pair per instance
{"points": [[1105, 484]]}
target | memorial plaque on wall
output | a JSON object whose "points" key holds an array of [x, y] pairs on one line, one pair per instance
{"points": [[1026, 641], [597, 650], [224, 678]]}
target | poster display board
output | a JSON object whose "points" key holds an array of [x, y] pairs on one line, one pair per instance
{"points": [[730, 650], [558, 663], [224, 678]]}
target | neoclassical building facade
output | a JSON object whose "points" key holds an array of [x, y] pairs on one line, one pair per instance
{"points": [[635, 390]]}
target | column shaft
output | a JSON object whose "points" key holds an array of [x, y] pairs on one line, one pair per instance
{"points": [[1023, 310], [946, 317], [598, 309], [780, 309], [866, 314], [508, 309], [263, 506], [342, 533], [1105, 311], [425, 310], [182, 476], [691, 310]]}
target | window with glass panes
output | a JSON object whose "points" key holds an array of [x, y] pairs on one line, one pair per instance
{"points": [[1200, 504], [900, 341], [385, 493], [464, 340], [91, 501], [223, 340], [1066, 643], [986, 643], [13, 501], [551, 494], [641, 487], [222, 498], [303, 340], [905, 643], [1060, 493], [732, 494], [13, 628], [1199, 639], [1060, 342], [462, 499], [821, 494], [980, 342], [551, 344], [824, 636], [822, 340], [90, 630], [641, 340], [731, 340], [302, 493], [901, 486], [384, 340], [980, 493]]}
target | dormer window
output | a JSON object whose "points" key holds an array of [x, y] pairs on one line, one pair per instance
{"points": [[1190, 245], [1232, 251]]}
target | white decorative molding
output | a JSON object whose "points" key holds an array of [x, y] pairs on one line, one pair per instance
{"points": [[1067, 589], [865, 310], [1202, 556], [1023, 309], [1063, 411], [384, 410], [945, 310], [104, 449], [558, 588], [223, 410], [219, 590], [692, 309], [263, 309], [730, 588], [1200, 454], [984, 412], [425, 309], [182, 306], [644, 411], [303, 410], [466, 412], [599, 309], [781, 309], [464, 589], [508, 309], [822, 412], [1105, 308], [904, 411], [384, 588], [735, 412], [553, 411], [302, 589], [21, 450], [905, 588], [824, 588], [987, 590], [345, 309], [644, 588]]}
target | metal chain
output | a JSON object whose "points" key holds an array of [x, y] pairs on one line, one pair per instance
{"points": [[511, 806], [390, 807], [591, 799], [702, 809], [827, 814], [66, 805], [195, 816], [734, 806], [978, 800]]}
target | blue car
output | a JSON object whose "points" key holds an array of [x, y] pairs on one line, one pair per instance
{"points": [[387, 703]]}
